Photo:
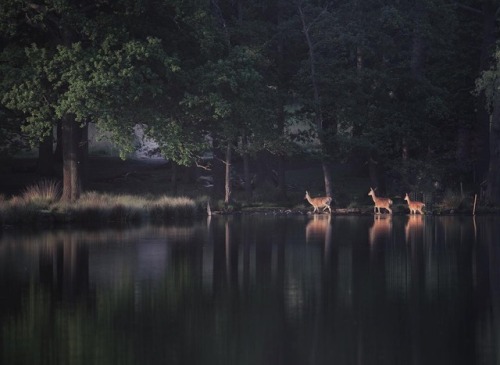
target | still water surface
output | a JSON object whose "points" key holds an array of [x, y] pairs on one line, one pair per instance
{"points": [[255, 290]]}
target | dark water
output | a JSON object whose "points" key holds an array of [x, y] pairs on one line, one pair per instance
{"points": [[255, 290]]}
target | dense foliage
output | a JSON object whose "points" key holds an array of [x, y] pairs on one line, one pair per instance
{"points": [[385, 85]]}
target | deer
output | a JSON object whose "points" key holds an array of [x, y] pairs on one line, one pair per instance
{"points": [[319, 202], [380, 202], [415, 206]]}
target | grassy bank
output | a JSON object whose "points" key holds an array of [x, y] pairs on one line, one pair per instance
{"points": [[40, 204]]}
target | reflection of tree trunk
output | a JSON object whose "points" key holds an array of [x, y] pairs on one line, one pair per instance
{"points": [[71, 163], [245, 237], [219, 267], [64, 268], [45, 156], [263, 261], [231, 256]]}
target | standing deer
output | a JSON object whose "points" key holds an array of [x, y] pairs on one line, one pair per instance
{"points": [[380, 202], [415, 206], [320, 202]]}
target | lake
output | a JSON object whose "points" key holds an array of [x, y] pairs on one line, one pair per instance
{"points": [[255, 289]]}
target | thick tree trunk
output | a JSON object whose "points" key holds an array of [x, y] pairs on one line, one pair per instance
{"points": [[327, 174], [45, 156], [493, 187], [83, 154], [58, 149], [71, 137]]}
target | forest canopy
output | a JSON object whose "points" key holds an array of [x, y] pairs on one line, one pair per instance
{"points": [[406, 89]]}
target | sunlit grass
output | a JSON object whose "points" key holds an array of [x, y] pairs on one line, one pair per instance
{"points": [[166, 207], [43, 193], [42, 202]]}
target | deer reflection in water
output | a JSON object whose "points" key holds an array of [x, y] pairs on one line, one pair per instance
{"points": [[319, 229], [414, 226], [380, 230]]}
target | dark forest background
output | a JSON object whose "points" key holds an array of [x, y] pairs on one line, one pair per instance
{"points": [[404, 91]]}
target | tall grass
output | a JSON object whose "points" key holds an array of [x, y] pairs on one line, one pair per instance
{"points": [[45, 192], [41, 202], [166, 207]]}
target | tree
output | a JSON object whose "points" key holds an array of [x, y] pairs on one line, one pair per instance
{"points": [[489, 83], [317, 102], [82, 66]]}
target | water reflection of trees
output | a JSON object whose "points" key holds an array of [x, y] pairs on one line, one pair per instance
{"points": [[260, 290]]}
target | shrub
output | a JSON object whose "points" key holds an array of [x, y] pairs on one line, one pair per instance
{"points": [[452, 200]]}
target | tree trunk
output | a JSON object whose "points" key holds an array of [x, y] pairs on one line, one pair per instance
{"points": [[83, 153], [317, 102], [327, 174], [417, 51], [45, 156], [218, 172], [264, 177], [482, 115], [227, 185], [58, 149], [493, 187], [173, 177], [71, 164], [372, 168], [281, 158], [246, 171], [281, 169]]}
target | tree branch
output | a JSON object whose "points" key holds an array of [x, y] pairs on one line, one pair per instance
{"points": [[206, 167]]}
